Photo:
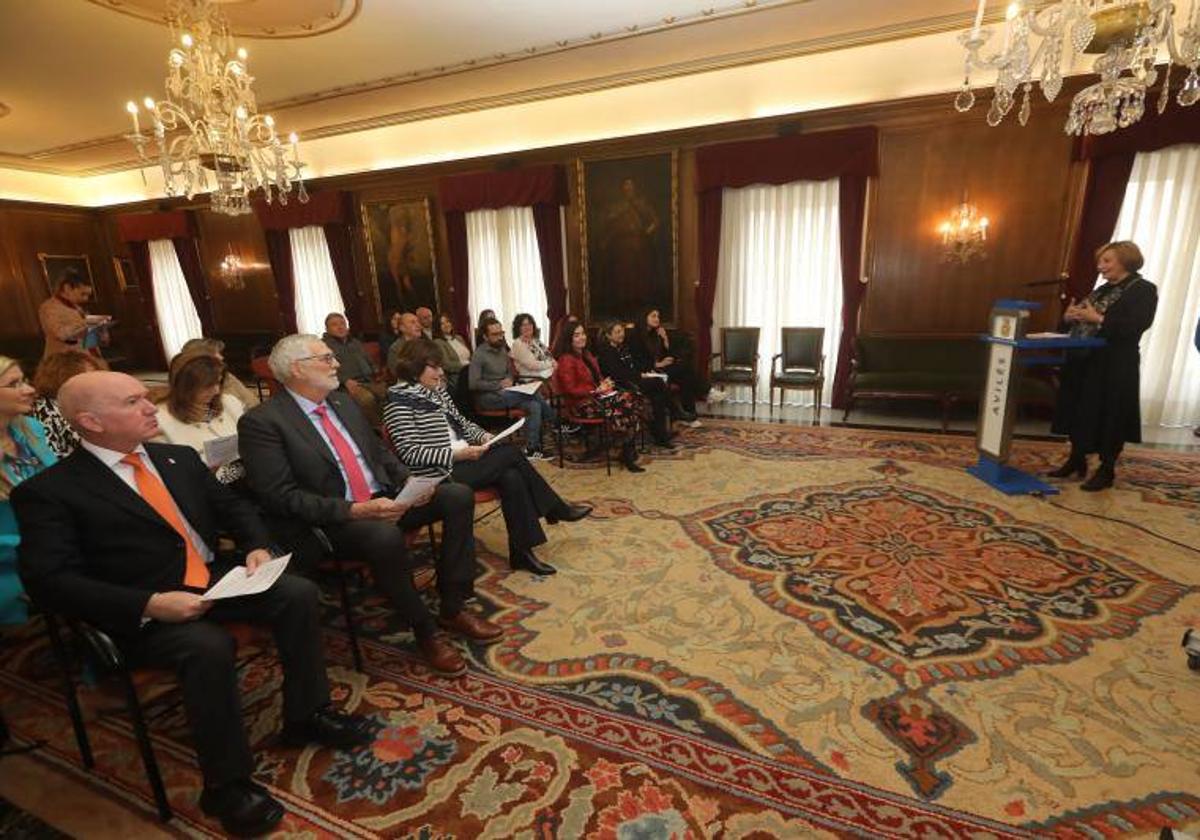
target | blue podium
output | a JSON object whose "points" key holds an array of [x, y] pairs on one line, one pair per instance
{"points": [[1009, 352]]}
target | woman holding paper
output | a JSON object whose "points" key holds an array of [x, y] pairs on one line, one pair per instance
{"points": [[194, 412], [529, 355], [618, 364], [587, 394], [434, 439], [1099, 391]]}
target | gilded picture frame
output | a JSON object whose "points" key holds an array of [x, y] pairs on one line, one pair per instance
{"points": [[55, 265], [126, 274], [401, 254], [629, 235]]}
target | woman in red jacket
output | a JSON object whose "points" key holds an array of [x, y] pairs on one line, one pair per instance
{"points": [[587, 395]]}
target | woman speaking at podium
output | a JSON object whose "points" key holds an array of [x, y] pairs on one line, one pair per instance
{"points": [[1098, 397]]}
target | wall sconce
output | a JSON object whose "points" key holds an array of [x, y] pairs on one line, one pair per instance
{"points": [[231, 271], [964, 234]]}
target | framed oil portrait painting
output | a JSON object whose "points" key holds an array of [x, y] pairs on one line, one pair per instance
{"points": [[126, 276], [54, 266], [400, 249], [629, 222]]}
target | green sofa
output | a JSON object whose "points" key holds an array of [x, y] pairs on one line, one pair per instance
{"points": [[944, 370]]}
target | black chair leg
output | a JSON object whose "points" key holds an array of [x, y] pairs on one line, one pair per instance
{"points": [[606, 442], [69, 694], [146, 749], [348, 616]]}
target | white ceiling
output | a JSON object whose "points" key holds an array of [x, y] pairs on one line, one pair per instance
{"points": [[68, 66]]}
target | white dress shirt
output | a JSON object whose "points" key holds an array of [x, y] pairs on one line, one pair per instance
{"points": [[310, 411], [112, 460]]}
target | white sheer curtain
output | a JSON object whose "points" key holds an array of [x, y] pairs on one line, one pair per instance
{"points": [[505, 267], [1161, 213], [317, 291], [780, 266], [177, 318]]}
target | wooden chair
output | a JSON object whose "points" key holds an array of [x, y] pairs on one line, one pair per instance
{"points": [[738, 359], [264, 377], [586, 424], [801, 366]]}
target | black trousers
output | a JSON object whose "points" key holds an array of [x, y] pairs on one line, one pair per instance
{"points": [[381, 544], [202, 654], [656, 392], [689, 385], [525, 497]]}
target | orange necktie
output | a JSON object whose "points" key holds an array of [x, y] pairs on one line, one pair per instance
{"points": [[158, 497]]}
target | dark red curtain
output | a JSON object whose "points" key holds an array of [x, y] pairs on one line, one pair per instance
{"points": [[852, 205], [1110, 158], [187, 250], [851, 155], [547, 220], [544, 188], [139, 251], [144, 227], [332, 211], [279, 254], [456, 236]]}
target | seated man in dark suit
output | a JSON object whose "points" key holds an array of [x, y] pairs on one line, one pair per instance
{"points": [[312, 460], [121, 534]]}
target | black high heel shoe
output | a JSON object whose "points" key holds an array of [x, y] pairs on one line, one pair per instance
{"points": [[1101, 479], [1076, 466]]}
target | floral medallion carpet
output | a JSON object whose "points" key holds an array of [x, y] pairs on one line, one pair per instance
{"points": [[776, 631]]}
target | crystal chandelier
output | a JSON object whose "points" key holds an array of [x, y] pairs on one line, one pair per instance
{"points": [[209, 121], [963, 234], [1128, 35]]}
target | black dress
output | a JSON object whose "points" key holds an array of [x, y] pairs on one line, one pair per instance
{"points": [[648, 349], [1100, 389]]}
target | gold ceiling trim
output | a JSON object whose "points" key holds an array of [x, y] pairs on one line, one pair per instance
{"points": [[796, 49], [348, 12]]}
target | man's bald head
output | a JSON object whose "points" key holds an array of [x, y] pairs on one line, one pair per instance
{"points": [[109, 409]]}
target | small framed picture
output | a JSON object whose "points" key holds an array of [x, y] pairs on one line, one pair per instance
{"points": [[126, 276]]}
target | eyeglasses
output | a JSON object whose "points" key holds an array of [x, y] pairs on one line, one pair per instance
{"points": [[323, 358], [19, 383]]}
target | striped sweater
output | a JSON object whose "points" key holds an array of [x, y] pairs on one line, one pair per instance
{"points": [[418, 420]]}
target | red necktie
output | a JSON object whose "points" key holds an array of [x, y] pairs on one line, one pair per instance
{"points": [[360, 490], [156, 494]]}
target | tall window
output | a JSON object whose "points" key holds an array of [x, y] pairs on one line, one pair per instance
{"points": [[173, 306], [317, 292], [505, 266], [1161, 213], [781, 266]]}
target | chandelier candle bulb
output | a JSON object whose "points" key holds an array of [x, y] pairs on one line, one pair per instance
{"points": [[978, 20]]}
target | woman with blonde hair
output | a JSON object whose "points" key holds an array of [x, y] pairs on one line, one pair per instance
{"points": [[1099, 392], [23, 453], [195, 410]]}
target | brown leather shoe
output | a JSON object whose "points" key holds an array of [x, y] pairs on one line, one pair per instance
{"points": [[471, 626], [442, 656]]}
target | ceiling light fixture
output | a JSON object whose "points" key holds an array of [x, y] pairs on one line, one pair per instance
{"points": [[209, 120], [1128, 35]]}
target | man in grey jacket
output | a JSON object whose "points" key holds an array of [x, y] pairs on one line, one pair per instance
{"points": [[491, 374]]}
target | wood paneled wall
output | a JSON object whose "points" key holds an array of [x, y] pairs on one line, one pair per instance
{"points": [[1021, 178]]}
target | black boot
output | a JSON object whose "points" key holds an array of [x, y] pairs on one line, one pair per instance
{"points": [[629, 457], [1076, 463], [1101, 479]]}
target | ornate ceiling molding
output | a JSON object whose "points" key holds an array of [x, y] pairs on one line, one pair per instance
{"points": [[794, 49], [256, 18]]}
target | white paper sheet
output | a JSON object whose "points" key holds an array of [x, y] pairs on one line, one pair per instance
{"points": [[221, 450], [526, 388], [1048, 335], [237, 583], [502, 435], [416, 487], [655, 375]]}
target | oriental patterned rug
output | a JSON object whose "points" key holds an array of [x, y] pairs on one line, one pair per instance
{"points": [[777, 631]]}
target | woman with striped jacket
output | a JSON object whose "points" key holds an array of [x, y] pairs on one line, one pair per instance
{"points": [[433, 438]]}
